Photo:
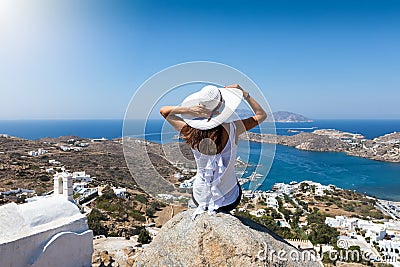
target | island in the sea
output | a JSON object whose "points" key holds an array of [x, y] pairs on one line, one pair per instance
{"points": [[383, 148], [286, 116], [279, 116]]}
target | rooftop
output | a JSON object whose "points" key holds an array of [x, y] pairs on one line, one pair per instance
{"points": [[30, 218]]}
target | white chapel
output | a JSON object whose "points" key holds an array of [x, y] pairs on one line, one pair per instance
{"points": [[48, 232]]}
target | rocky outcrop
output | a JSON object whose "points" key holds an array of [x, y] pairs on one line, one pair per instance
{"points": [[219, 240], [303, 140]]}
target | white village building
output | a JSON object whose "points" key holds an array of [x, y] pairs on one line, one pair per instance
{"points": [[376, 233], [119, 192], [258, 213], [47, 232], [320, 189], [342, 222], [272, 202], [81, 176], [390, 247], [79, 186]]}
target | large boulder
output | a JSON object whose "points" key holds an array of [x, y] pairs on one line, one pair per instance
{"points": [[219, 240]]}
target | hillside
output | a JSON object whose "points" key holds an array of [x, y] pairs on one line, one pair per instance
{"points": [[104, 162]]}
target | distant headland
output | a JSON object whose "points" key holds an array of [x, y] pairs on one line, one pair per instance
{"points": [[286, 116], [279, 116], [382, 148]]}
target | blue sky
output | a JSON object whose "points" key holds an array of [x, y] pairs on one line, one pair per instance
{"points": [[85, 59]]}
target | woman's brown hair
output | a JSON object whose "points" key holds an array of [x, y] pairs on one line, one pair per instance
{"points": [[207, 142]]}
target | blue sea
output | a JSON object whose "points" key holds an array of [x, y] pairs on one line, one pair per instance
{"points": [[380, 179]]}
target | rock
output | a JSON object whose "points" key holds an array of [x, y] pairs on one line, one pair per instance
{"points": [[106, 258], [113, 251], [218, 240]]}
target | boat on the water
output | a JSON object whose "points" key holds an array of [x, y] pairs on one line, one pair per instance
{"points": [[255, 176], [242, 181]]}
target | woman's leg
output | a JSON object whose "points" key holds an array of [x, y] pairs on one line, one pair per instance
{"points": [[194, 200]]}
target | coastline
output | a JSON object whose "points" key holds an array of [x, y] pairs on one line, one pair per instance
{"points": [[383, 148], [317, 171]]}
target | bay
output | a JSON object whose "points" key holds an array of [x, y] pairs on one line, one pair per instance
{"points": [[375, 178]]}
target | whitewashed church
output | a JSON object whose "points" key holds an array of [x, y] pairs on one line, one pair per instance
{"points": [[48, 232]]}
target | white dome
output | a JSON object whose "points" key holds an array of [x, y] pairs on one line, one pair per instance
{"points": [[26, 219]]}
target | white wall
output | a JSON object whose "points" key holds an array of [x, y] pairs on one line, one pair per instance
{"points": [[24, 251], [67, 249]]}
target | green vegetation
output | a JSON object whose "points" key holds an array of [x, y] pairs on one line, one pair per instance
{"points": [[320, 233], [250, 206], [287, 214], [351, 202], [44, 178], [271, 221], [303, 187], [366, 211], [303, 204], [313, 189], [316, 230], [150, 211], [116, 207], [35, 168], [144, 236], [141, 198], [153, 207], [94, 221], [108, 193], [15, 155], [137, 215], [349, 207]]}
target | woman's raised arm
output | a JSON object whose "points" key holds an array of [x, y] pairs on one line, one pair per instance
{"points": [[170, 114], [249, 123]]}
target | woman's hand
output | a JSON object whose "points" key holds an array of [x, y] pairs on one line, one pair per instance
{"points": [[198, 111], [237, 86], [249, 123]]}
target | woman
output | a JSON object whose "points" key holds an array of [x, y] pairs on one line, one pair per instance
{"points": [[207, 126]]}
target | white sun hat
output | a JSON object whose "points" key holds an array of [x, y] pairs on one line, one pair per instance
{"points": [[210, 96]]}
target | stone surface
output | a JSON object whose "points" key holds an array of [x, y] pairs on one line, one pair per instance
{"points": [[113, 251], [218, 240]]}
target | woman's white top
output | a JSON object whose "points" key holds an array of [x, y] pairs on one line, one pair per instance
{"points": [[215, 183]]}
